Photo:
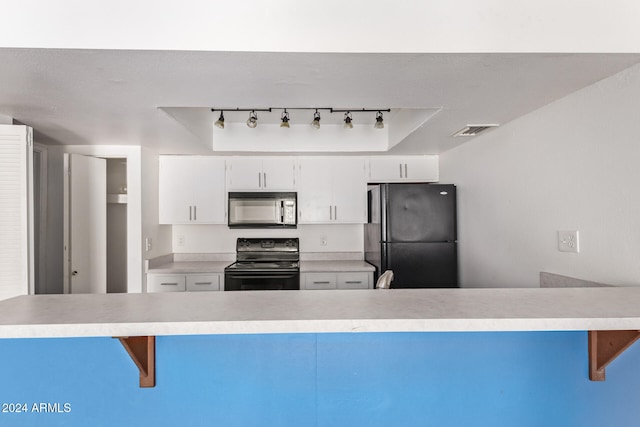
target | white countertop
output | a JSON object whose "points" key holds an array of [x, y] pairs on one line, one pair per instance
{"points": [[190, 267], [395, 310], [193, 267], [335, 266]]}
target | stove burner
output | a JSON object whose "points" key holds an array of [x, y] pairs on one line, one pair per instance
{"points": [[264, 264]]}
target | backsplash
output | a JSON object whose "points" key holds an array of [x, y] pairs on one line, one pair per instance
{"points": [[313, 238]]}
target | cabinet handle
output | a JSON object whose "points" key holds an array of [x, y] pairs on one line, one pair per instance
{"points": [[321, 283], [335, 213], [190, 213], [353, 282], [168, 284], [406, 175], [330, 213], [203, 283], [265, 179], [195, 213], [400, 169], [259, 180]]}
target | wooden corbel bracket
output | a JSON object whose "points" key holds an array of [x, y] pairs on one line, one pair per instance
{"points": [[143, 353], [604, 346]]}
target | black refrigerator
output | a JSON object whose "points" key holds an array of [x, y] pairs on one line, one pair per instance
{"points": [[411, 230]]}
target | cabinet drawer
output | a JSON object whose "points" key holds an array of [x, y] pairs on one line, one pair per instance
{"points": [[319, 281], [353, 280], [204, 282], [166, 283]]}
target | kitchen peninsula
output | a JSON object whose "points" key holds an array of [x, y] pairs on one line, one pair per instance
{"points": [[284, 312], [325, 351]]}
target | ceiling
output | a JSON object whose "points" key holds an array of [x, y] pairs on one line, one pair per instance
{"points": [[162, 99]]}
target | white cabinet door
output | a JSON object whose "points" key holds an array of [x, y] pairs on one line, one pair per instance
{"points": [[209, 195], [261, 173], [422, 168], [191, 190], [349, 190], [315, 191], [244, 173], [184, 282], [332, 190], [328, 280], [278, 173], [203, 282], [403, 169], [318, 281], [166, 283], [175, 200], [359, 280]]}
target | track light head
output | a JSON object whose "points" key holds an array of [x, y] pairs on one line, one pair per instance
{"points": [[347, 120], [316, 120], [285, 119], [220, 122], [379, 124], [252, 121]]}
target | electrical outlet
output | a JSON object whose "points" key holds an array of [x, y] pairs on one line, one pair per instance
{"points": [[148, 244], [180, 240], [568, 241], [324, 240]]}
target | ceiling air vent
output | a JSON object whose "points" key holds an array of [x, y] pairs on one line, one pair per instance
{"points": [[473, 130]]}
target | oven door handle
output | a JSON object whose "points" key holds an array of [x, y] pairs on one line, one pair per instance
{"points": [[259, 276]]}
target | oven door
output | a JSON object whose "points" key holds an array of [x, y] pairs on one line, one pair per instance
{"points": [[261, 281]]}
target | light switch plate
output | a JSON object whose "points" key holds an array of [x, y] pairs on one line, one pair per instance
{"points": [[568, 241]]}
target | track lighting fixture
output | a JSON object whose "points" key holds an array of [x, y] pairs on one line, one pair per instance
{"points": [[285, 119], [347, 120], [220, 122], [316, 120], [252, 121], [379, 124]]}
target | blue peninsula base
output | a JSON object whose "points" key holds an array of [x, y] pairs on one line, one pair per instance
{"points": [[329, 379]]}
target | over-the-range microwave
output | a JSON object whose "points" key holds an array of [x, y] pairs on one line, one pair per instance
{"points": [[263, 210]]}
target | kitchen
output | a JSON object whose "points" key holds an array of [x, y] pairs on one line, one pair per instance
{"points": [[555, 156]]}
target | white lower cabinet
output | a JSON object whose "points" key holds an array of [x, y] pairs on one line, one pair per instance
{"points": [[184, 282], [351, 280]]}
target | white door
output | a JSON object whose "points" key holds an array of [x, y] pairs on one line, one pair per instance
{"points": [[86, 221]]}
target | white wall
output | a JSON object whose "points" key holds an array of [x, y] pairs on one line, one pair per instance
{"points": [[327, 26], [573, 164], [222, 239], [160, 234]]}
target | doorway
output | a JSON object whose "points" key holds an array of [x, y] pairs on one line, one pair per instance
{"points": [[116, 225], [96, 224]]}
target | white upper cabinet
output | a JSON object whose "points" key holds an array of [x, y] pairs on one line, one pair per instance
{"points": [[404, 169], [315, 193], [332, 190], [261, 173], [192, 190]]}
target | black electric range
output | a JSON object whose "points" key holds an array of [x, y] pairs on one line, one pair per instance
{"points": [[264, 264]]}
